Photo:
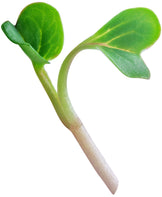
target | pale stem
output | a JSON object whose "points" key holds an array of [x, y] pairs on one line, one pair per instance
{"points": [[77, 128], [95, 158]]}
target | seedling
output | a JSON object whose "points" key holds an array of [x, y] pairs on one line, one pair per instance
{"points": [[39, 33]]}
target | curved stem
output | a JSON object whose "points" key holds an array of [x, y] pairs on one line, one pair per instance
{"points": [[62, 80], [77, 128], [62, 86]]}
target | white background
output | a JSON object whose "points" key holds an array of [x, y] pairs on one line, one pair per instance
{"points": [[39, 157]]}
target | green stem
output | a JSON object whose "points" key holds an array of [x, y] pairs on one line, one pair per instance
{"points": [[62, 81], [51, 92], [62, 87]]}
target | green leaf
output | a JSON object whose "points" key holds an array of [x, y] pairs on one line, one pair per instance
{"points": [[14, 36], [124, 37], [38, 31]]}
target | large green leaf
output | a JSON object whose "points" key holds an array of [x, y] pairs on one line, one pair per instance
{"points": [[38, 31], [124, 37]]}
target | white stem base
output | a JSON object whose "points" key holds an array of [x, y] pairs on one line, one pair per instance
{"points": [[95, 158]]}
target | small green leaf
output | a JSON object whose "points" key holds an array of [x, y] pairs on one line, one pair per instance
{"points": [[124, 37], [14, 36], [38, 31]]}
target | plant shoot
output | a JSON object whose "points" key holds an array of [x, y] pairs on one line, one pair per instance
{"points": [[39, 33]]}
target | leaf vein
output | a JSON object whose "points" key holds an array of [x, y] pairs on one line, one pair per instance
{"points": [[121, 35], [111, 47]]}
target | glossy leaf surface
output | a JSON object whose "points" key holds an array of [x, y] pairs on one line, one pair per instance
{"points": [[124, 37], [38, 28]]}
